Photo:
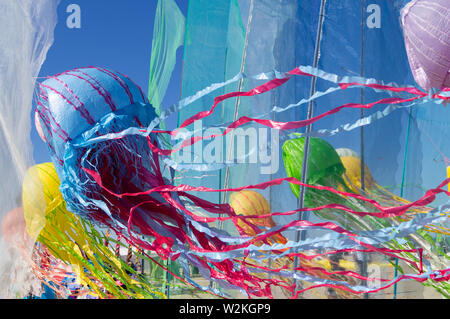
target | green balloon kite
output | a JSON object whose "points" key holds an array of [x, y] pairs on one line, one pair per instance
{"points": [[325, 168]]}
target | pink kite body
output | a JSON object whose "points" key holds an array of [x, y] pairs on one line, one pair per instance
{"points": [[426, 26]]}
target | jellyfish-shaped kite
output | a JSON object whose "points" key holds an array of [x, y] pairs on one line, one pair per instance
{"points": [[342, 171], [427, 40], [248, 202], [73, 241], [75, 108]]}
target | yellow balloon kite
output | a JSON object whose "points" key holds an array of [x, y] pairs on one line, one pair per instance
{"points": [[76, 241], [252, 203]]}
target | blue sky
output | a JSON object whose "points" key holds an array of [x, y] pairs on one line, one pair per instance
{"points": [[114, 33]]}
